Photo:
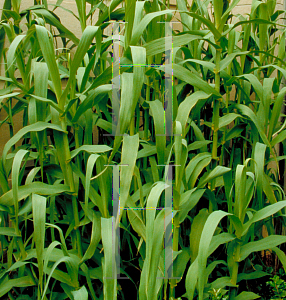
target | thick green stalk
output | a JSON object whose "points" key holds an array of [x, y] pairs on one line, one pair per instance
{"points": [[216, 105], [227, 98], [176, 231], [74, 198], [146, 114], [165, 288], [63, 144], [11, 124], [77, 144], [176, 227], [233, 254]]}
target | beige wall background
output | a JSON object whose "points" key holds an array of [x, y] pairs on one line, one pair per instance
{"points": [[73, 25]]}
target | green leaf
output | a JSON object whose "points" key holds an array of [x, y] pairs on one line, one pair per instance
{"points": [[158, 116], [93, 98], [220, 239], [159, 45], [138, 31], [20, 155], [263, 214], [205, 21], [129, 154], [15, 55], [39, 219], [8, 231], [259, 157], [253, 275], [216, 172], [81, 8], [195, 167], [222, 282], [263, 244], [48, 101], [153, 241], [7, 285], [279, 138], [186, 106], [192, 278], [249, 113], [139, 61], [89, 168], [193, 79], [205, 241], [39, 126], [90, 149], [196, 232], [240, 188], [71, 264], [188, 201], [246, 295], [80, 294], [84, 44], [130, 7], [36, 188], [227, 119], [108, 262], [281, 255], [51, 19], [136, 222], [218, 8], [11, 95], [126, 101], [94, 239], [268, 190], [47, 47], [275, 113]]}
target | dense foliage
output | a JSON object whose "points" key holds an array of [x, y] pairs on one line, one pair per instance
{"points": [[226, 140]]}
